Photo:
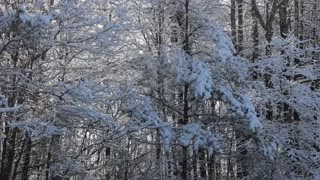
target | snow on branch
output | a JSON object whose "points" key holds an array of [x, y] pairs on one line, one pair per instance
{"points": [[32, 20], [10, 109], [4, 106]]}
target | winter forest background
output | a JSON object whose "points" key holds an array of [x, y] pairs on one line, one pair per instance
{"points": [[159, 89]]}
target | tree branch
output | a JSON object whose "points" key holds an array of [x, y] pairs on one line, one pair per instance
{"points": [[258, 14]]}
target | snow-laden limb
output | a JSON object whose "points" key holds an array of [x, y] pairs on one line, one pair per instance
{"points": [[81, 99], [196, 136], [230, 74], [10, 109], [225, 48], [270, 146], [144, 117], [193, 72], [181, 66], [4, 106], [38, 129], [89, 113], [201, 80], [242, 106]]}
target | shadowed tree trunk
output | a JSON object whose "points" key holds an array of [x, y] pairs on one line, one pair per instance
{"points": [[233, 23], [9, 143], [255, 37], [202, 162], [240, 26], [283, 17], [301, 24], [25, 168], [185, 90], [8, 153]]}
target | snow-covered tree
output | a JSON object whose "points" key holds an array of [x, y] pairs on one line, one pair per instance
{"points": [[156, 89]]}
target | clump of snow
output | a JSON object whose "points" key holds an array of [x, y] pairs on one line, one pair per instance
{"points": [[225, 48], [201, 80], [270, 146], [181, 67], [32, 20]]}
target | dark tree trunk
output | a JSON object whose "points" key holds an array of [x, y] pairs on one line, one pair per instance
{"points": [[301, 24], [268, 29], [240, 26], [233, 23], [211, 167], [283, 17], [296, 18], [202, 162], [255, 38], [186, 48], [25, 168], [160, 80], [53, 155], [315, 30], [8, 153], [195, 164]]}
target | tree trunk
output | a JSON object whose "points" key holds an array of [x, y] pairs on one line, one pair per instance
{"points": [[202, 162], [240, 26], [233, 23], [268, 29], [195, 164], [283, 17], [211, 167], [296, 18], [25, 168], [8, 153], [315, 30], [255, 38], [53, 156], [160, 81], [301, 25], [186, 48]]}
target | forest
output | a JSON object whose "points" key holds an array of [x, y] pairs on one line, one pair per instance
{"points": [[159, 89]]}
